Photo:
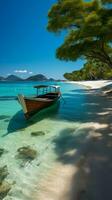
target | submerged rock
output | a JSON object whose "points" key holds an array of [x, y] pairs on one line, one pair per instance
{"points": [[4, 186], [3, 173], [26, 153], [4, 189], [2, 151], [2, 117], [22, 129], [38, 133], [7, 120]]}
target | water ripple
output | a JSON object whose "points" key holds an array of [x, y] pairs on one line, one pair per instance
{"points": [[7, 98]]}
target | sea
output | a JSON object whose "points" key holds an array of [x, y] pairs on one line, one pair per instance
{"points": [[55, 124]]}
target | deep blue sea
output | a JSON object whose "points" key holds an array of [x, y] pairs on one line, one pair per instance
{"points": [[61, 119]]}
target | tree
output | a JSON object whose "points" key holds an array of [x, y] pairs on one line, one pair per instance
{"points": [[92, 70], [88, 27]]}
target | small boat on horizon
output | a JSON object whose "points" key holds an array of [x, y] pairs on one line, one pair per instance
{"points": [[46, 96]]}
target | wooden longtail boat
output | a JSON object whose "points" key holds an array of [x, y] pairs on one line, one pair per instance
{"points": [[46, 96]]}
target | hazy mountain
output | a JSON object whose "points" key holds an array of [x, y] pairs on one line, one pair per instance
{"points": [[1, 78], [13, 78], [51, 79], [38, 77]]}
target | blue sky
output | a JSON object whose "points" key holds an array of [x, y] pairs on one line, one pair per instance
{"points": [[26, 47]]}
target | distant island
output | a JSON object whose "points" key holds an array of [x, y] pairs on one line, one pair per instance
{"points": [[14, 78]]}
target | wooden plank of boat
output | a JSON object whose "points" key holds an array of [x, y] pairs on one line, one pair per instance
{"points": [[32, 105]]}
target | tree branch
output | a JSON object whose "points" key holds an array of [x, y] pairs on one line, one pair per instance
{"points": [[98, 55]]}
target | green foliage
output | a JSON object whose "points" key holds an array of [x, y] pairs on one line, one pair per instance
{"points": [[88, 27], [92, 70]]}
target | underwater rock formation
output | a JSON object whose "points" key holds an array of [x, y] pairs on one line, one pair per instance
{"points": [[26, 153], [37, 133], [3, 173], [4, 186], [2, 117], [2, 151], [4, 189], [7, 120]]}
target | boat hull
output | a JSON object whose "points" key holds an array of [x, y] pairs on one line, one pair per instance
{"points": [[31, 106]]}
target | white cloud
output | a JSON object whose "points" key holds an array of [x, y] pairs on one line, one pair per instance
{"points": [[21, 71], [30, 72]]}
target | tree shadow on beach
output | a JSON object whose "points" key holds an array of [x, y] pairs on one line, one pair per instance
{"points": [[89, 149], [88, 105]]}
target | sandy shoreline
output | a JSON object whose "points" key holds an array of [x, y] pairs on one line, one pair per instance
{"points": [[92, 84], [86, 175]]}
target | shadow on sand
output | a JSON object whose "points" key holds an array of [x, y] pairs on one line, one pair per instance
{"points": [[89, 148]]}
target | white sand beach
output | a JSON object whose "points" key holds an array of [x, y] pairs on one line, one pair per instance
{"points": [[86, 174], [93, 84]]}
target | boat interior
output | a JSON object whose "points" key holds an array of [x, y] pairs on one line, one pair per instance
{"points": [[47, 92], [44, 97], [48, 95]]}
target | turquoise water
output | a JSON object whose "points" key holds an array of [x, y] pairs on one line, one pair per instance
{"points": [[15, 132]]}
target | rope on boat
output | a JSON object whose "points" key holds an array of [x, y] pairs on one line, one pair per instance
{"points": [[63, 98]]}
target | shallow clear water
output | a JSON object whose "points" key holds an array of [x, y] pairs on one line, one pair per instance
{"points": [[15, 132]]}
